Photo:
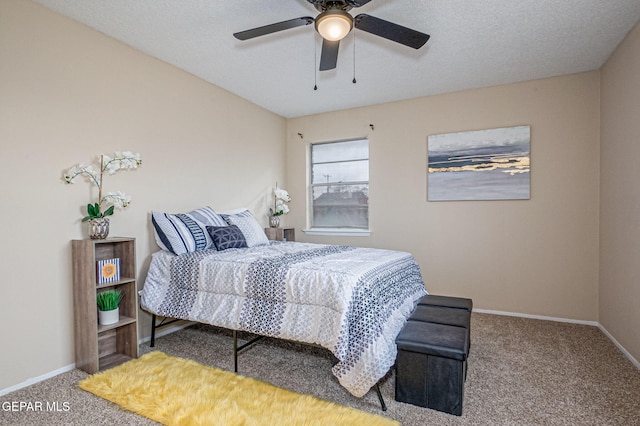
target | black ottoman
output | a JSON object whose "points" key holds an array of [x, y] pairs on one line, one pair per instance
{"points": [[431, 365], [447, 302], [446, 316], [441, 315]]}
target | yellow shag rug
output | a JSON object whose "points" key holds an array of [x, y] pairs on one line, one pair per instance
{"points": [[176, 391]]}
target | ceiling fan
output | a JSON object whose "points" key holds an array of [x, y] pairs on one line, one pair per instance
{"points": [[334, 23]]}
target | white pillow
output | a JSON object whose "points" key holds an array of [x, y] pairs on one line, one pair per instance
{"points": [[252, 230]]}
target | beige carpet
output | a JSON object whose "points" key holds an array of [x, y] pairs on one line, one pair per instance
{"points": [[521, 372]]}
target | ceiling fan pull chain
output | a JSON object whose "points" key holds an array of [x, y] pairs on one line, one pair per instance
{"points": [[315, 62], [354, 57]]}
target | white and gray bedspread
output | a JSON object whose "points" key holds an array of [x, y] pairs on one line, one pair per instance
{"points": [[352, 301]]}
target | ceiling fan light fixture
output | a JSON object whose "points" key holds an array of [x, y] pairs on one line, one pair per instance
{"points": [[334, 24]]}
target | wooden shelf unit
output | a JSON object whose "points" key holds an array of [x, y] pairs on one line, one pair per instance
{"points": [[98, 347]]}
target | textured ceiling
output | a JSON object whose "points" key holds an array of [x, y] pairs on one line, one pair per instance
{"points": [[474, 43]]}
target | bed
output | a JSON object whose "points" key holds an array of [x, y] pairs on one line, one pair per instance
{"points": [[352, 301]]}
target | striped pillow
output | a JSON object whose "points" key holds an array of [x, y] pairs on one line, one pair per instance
{"points": [[185, 232]]}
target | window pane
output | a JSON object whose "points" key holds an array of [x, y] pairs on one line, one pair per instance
{"points": [[341, 206], [351, 171], [340, 184], [340, 151]]}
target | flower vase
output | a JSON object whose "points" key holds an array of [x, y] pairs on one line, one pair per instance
{"points": [[109, 317], [99, 228], [274, 221]]}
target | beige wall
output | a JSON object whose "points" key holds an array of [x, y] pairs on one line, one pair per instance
{"points": [[67, 94], [537, 257], [620, 195]]}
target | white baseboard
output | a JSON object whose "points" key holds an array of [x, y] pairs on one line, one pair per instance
{"points": [[572, 321], [168, 330], [179, 327], [34, 380], [622, 348], [540, 317], [37, 379]]}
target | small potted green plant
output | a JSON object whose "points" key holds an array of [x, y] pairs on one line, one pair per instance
{"points": [[108, 310]]}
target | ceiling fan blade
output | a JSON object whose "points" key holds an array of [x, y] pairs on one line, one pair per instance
{"points": [[273, 28], [390, 31], [357, 3], [329, 55]]}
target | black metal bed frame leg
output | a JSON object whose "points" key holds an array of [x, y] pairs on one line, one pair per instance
{"points": [[382, 404], [251, 342], [237, 348], [153, 330], [235, 351]]}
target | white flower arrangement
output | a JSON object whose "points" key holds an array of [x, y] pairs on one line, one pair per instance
{"points": [[124, 160], [281, 198]]}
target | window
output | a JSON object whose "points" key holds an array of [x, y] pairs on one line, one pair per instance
{"points": [[340, 185]]}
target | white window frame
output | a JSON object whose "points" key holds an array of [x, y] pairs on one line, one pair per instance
{"points": [[338, 231]]}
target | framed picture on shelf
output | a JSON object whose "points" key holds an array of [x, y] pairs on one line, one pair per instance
{"points": [[108, 270]]}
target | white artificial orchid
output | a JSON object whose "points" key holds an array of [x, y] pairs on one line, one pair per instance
{"points": [[118, 199], [281, 197], [281, 194], [85, 170], [124, 160], [121, 161]]}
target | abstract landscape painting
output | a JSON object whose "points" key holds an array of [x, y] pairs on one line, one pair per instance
{"points": [[488, 164]]}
